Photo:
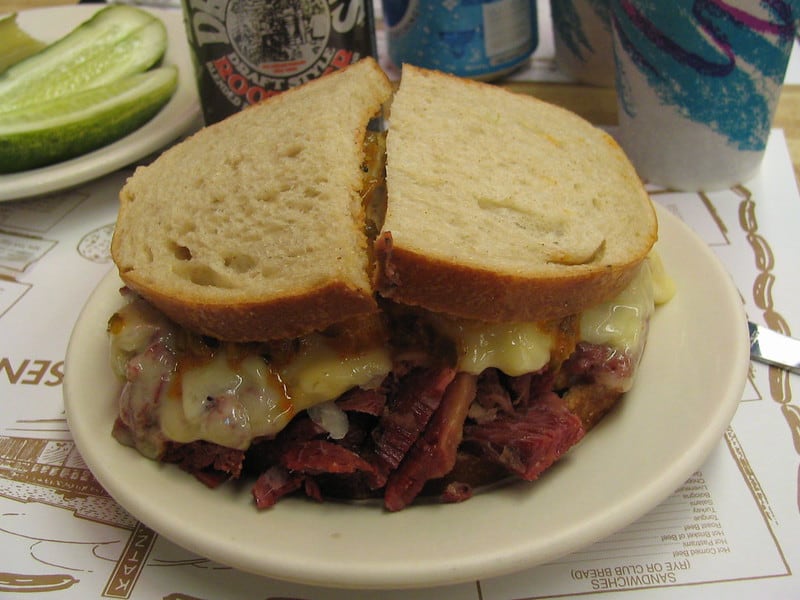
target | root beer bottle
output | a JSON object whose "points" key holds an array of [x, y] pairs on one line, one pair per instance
{"points": [[247, 50]]}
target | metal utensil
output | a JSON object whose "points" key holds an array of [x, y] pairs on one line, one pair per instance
{"points": [[774, 348]]}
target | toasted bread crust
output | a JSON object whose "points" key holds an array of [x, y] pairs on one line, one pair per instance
{"points": [[419, 280], [257, 321]]}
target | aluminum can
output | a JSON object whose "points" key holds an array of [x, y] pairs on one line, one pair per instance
{"points": [[480, 39], [247, 50]]}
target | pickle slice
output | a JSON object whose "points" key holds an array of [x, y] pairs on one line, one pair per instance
{"points": [[117, 41], [72, 125], [15, 44]]}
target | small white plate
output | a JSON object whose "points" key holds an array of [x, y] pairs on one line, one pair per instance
{"points": [[180, 115], [689, 385]]}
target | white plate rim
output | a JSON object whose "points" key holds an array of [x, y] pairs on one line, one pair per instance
{"points": [[504, 531], [180, 115]]}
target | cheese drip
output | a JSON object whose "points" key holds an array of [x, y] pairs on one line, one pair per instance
{"points": [[514, 348], [228, 400], [519, 348], [622, 322], [228, 395]]}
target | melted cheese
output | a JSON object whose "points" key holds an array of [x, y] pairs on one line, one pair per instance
{"points": [[514, 348], [518, 348], [229, 396], [319, 373], [622, 322], [226, 400], [663, 286]]}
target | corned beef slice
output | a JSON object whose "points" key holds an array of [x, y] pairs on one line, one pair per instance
{"points": [[492, 398], [409, 412], [273, 484], [530, 440], [593, 362], [210, 463], [308, 458], [370, 402], [313, 457], [434, 453]]}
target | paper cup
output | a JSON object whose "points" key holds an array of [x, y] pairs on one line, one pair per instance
{"points": [[582, 39], [697, 85]]}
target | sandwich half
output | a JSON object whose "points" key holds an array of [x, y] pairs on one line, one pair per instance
{"points": [[240, 248], [518, 237], [296, 318], [505, 208], [253, 230]]}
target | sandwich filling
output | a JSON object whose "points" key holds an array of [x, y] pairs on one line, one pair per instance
{"points": [[403, 379]]}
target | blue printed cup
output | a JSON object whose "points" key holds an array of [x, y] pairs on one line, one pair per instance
{"points": [[582, 40], [697, 84]]}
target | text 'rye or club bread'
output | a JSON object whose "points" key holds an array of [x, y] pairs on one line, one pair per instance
{"points": [[502, 207], [254, 229]]}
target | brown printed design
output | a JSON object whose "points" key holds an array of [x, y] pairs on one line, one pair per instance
{"points": [[29, 371], [759, 495], [780, 385], [13, 582], [40, 214], [11, 292], [52, 472], [131, 563], [96, 245], [18, 251]]}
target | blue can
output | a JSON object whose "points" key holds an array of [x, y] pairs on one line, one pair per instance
{"points": [[479, 39]]}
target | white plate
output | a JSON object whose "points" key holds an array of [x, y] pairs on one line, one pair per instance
{"points": [[180, 115], [691, 380]]}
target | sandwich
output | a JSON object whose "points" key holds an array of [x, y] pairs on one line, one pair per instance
{"points": [[409, 313]]}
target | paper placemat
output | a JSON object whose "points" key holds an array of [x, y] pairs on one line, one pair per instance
{"points": [[734, 525]]}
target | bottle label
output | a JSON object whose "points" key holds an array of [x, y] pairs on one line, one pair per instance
{"points": [[247, 50]]}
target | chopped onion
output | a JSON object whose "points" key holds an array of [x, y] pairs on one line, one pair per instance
{"points": [[331, 418]]}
